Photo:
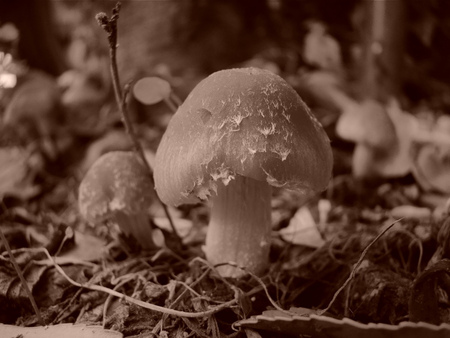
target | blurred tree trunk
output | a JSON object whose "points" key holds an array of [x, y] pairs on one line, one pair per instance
{"points": [[383, 48], [38, 43]]}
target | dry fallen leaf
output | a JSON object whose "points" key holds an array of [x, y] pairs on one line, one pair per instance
{"points": [[87, 248], [34, 105], [17, 174], [182, 225], [302, 230], [321, 326], [61, 330]]}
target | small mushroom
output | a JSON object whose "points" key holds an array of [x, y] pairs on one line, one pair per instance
{"points": [[240, 132], [381, 146], [431, 167], [117, 188]]}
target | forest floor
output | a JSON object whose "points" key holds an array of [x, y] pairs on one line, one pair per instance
{"points": [[372, 250]]}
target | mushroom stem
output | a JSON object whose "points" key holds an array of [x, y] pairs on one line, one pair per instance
{"points": [[138, 226], [240, 227]]}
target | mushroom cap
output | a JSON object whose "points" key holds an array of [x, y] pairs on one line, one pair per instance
{"points": [[116, 182], [247, 122], [382, 138], [367, 123]]}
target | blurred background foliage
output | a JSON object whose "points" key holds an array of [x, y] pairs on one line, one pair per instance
{"points": [[202, 36]]}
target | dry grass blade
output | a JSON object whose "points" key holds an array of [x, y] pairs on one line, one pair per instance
{"points": [[20, 275], [355, 267]]}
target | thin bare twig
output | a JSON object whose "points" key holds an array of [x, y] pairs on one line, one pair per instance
{"points": [[137, 302], [261, 283], [109, 25]]}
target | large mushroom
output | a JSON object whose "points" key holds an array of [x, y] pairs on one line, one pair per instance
{"points": [[118, 189], [239, 132]]}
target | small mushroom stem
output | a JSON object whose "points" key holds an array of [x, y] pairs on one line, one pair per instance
{"points": [[138, 226], [240, 227]]}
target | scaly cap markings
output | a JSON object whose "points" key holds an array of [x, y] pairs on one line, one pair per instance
{"points": [[241, 121], [117, 181]]}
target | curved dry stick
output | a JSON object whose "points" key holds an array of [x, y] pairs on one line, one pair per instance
{"points": [[137, 301]]}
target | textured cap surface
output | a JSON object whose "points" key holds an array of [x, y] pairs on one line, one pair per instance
{"points": [[117, 181], [241, 121]]}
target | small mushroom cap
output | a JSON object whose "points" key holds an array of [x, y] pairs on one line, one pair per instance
{"points": [[367, 123], [117, 181], [247, 122]]}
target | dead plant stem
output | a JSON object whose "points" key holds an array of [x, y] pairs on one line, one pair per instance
{"points": [[110, 26], [138, 302]]}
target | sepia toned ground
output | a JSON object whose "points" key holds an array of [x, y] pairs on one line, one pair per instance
{"points": [[374, 247]]}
